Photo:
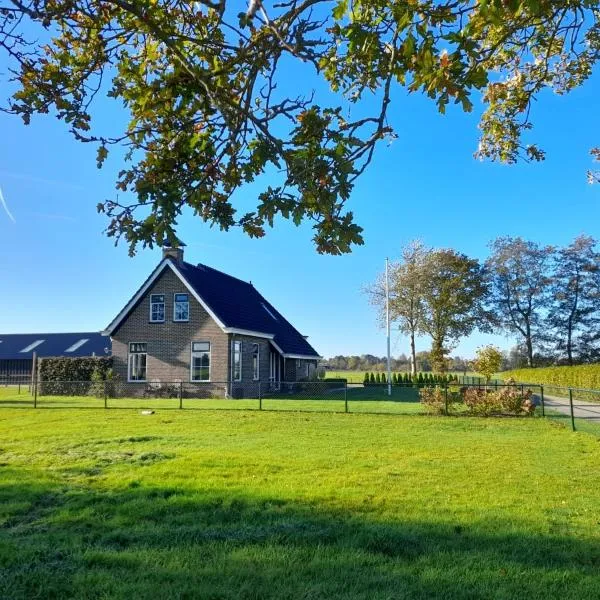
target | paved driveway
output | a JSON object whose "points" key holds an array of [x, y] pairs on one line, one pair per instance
{"points": [[581, 409]]}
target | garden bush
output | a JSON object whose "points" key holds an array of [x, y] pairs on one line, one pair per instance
{"points": [[505, 401], [433, 400]]}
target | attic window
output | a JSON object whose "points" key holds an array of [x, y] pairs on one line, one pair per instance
{"points": [[77, 345], [157, 308], [32, 346], [268, 310]]}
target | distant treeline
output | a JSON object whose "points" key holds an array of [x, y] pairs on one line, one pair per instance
{"points": [[369, 362]]}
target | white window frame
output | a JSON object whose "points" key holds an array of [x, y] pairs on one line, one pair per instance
{"points": [[234, 343], [256, 367], [175, 303], [192, 353], [130, 355], [164, 305]]}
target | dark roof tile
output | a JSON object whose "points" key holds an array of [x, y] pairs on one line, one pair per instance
{"points": [[239, 305]]}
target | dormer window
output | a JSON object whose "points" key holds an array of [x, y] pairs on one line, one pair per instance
{"points": [[181, 307], [157, 308]]}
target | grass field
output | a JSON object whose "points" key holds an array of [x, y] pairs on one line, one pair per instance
{"points": [[248, 505]]}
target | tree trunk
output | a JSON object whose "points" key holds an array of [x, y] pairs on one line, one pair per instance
{"points": [[570, 344], [529, 349], [413, 354]]}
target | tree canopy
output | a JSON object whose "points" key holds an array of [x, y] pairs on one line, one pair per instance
{"points": [[199, 84]]}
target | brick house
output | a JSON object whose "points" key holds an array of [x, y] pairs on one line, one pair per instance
{"points": [[196, 325]]}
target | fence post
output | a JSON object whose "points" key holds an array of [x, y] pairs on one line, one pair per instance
{"points": [[446, 399], [346, 396], [105, 395], [571, 405], [181, 394], [35, 394], [542, 400], [259, 394]]}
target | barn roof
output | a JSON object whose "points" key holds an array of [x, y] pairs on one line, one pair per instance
{"points": [[23, 345]]}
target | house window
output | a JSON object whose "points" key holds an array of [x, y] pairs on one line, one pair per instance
{"points": [[181, 307], [255, 362], [136, 362], [237, 360], [157, 308], [200, 362]]}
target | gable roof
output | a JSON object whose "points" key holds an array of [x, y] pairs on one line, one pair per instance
{"points": [[23, 345], [235, 305]]}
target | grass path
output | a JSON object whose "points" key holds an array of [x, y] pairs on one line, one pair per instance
{"points": [[243, 504]]}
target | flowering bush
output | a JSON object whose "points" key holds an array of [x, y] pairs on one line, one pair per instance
{"points": [[505, 401], [434, 400]]}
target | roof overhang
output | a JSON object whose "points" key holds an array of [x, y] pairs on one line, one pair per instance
{"points": [[164, 264], [237, 331]]}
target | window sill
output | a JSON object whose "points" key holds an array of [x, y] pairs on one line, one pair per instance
{"points": [[155, 322]]}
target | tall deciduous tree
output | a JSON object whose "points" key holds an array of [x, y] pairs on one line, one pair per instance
{"points": [[520, 277], [574, 316], [200, 84], [406, 293], [454, 288]]}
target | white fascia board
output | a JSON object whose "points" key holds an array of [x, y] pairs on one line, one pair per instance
{"points": [[302, 356], [197, 296], [157, 272], [260, 334]]}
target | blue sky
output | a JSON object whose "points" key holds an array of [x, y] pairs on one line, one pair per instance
{"points": [[60, 273]]}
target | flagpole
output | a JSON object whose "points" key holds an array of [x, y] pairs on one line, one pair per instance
{"points": [[387, 325]]}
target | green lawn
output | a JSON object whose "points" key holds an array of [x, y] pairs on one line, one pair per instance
{"points": [[247, 505]]}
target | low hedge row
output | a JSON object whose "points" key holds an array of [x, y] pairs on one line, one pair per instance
{"points": [[65, 368], [56, 376], [579, 376]]}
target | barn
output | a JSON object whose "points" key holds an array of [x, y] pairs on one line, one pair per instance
{"points": [[18, 349]]}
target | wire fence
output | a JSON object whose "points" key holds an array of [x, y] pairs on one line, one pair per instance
{"points": [[576, 408]]}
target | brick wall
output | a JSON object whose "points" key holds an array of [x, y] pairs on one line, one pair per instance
{"points": [[169, 343]]}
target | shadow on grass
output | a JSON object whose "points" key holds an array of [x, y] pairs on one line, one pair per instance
{"points": [[61, 541]]}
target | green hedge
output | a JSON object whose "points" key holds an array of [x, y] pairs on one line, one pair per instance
{"points": [[55, 374], [579, 376]]}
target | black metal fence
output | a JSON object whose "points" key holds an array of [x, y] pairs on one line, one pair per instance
{"points": [[576, 408], [308, 395]]}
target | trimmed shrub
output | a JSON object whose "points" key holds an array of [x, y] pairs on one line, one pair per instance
{"points": [[420, 380], [366, 379], [72, 376], [383, 378], [378, 377], [372, 378]]}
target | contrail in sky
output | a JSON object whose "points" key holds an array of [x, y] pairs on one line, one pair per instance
{"points": [[5, 207]]}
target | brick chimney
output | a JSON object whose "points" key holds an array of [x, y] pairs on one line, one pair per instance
{"points": [[173, 251]]}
